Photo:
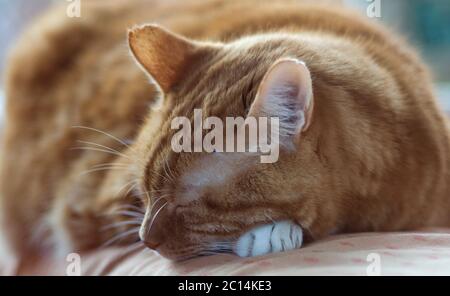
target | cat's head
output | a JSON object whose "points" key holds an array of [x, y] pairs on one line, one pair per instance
{"points": [[201, 202]]}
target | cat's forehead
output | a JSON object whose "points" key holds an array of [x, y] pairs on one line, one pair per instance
{"points": [[228, 82]]}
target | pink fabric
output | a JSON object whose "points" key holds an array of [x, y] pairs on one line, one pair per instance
{"points": [[419, 253]]}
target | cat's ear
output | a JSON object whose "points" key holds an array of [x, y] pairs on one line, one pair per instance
{"points": [[163, 55], [286, 93]]}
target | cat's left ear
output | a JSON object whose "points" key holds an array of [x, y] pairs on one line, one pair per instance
{"points": [[163, 55], [286, 93]]}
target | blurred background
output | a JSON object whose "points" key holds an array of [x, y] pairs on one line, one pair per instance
{"points": [[425, 23]]}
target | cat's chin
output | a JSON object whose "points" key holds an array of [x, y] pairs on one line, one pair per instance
{"points": [[271, 238]]}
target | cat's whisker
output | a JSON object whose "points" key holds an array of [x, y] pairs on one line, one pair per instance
{"points": [[269, 218], [121, 236], [106, 150], [131, 183], [125, 213], [102, 167], [166, 178], [106, 134], [125, 169], [196, 252], [148, 195], [97, 170], [132, 207], [119, 224], [130, 213], [156, 216], [111, 165], [214, 248], [101, 146], [132, 187], [156, 202], [170, 171], [156, 192], [165, 171], [162, 176], [221, 244], [139, 193], [212, 253], [100, 150]]}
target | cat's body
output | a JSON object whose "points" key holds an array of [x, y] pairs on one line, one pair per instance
{"points": [[376, 156]]}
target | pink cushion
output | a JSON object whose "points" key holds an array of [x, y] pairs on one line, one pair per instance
{"points": [[417, 253]]}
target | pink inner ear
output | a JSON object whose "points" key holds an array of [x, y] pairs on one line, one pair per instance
{"points": [[286, 92]]}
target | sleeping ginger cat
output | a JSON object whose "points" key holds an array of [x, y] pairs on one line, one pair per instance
{"points": [[87, 158]]}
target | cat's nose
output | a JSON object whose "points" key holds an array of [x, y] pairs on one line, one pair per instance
{"points": [[152, 245], [154, 228]]}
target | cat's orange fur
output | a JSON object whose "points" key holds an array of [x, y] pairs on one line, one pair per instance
{"points": [[376, 156]]}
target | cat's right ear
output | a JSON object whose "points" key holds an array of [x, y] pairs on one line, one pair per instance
{"points": [[163, 55], [286, 93]]}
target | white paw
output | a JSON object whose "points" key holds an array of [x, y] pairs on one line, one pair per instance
{"points": [[271, 238]]}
